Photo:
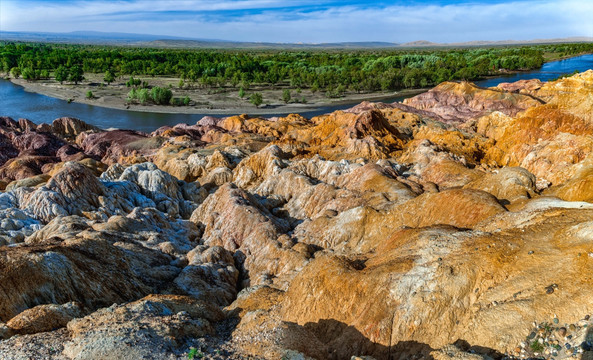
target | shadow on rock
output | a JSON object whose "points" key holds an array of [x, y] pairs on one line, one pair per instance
{"points": [[331, 339]]}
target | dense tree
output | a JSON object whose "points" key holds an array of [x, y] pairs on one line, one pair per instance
{"points": [[327, 71], [28, 74], [61, 74], [76, 74]]}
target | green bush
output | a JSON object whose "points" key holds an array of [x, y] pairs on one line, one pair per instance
{"points": [[29, 74], [143, 96], [15, 72], [109, 77], [256, 99], [286, 96], [161, 96], [131, 95], [133, 82], [89, 95]]}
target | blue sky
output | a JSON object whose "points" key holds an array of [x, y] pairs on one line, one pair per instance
{"points": [[307, 20]]}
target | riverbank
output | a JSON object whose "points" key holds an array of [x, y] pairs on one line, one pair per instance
{"points": [[509, 73], [212, 101], [108, 107], [551, 57]]}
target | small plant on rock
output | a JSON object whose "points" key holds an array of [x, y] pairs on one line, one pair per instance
{"points": [[194, 354], [536, 346]]}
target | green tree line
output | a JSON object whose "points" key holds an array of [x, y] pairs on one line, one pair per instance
{"points": [[333, 71]]}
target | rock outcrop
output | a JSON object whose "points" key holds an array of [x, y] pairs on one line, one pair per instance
{"points": [[457, 225]]}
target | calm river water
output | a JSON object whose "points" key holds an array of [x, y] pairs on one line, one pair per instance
{"points": [[18, 103]]}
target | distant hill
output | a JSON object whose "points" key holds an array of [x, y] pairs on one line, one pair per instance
{"points": [[419, 43], [263, 45], [424, 43], [148, 40], [84, 37]]}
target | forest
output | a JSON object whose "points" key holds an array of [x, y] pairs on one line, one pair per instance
{"points": [[333, 72]]}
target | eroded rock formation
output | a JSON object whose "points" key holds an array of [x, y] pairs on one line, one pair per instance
{"points": [[441, 228]]}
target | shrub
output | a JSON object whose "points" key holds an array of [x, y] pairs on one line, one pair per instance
{"points": [[28, 74], [133, 82], [15, 72], [131, 95], [143, 96], [109, 77], [536, 346], [286, 96], [256, 99], [89, 95], [161, 96]]}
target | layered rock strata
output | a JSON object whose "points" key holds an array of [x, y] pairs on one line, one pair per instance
{"points": [[458, 225]]}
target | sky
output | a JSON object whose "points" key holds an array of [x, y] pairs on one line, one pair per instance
{"points": [[308, 21]]}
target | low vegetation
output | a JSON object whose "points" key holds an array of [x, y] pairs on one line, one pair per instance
{"points": [[156, 95]]}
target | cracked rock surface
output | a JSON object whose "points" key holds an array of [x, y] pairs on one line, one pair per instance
{"points": [[458, 225]]}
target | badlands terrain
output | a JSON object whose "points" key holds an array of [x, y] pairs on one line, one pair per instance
{"points": [[455, 225]]}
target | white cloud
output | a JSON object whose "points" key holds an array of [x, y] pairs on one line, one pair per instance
{"points": [[519, 20]]}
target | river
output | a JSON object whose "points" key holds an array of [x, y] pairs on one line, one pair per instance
{"points": [[18, 103]]}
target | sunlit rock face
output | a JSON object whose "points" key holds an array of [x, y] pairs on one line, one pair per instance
{"points": [[460, 102], [440, 228]]}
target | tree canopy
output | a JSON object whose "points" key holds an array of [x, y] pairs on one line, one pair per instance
{"points": [[332, 71]]}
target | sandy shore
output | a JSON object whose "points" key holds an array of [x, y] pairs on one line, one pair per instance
{"points": [[220, 101]]}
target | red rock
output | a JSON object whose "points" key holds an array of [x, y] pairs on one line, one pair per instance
{"points": [[42, 144], [527, 86], [111, 146], [70, 153], [27, 125], [7, 150], [25, 166], [8, 122], [460, 102]]}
